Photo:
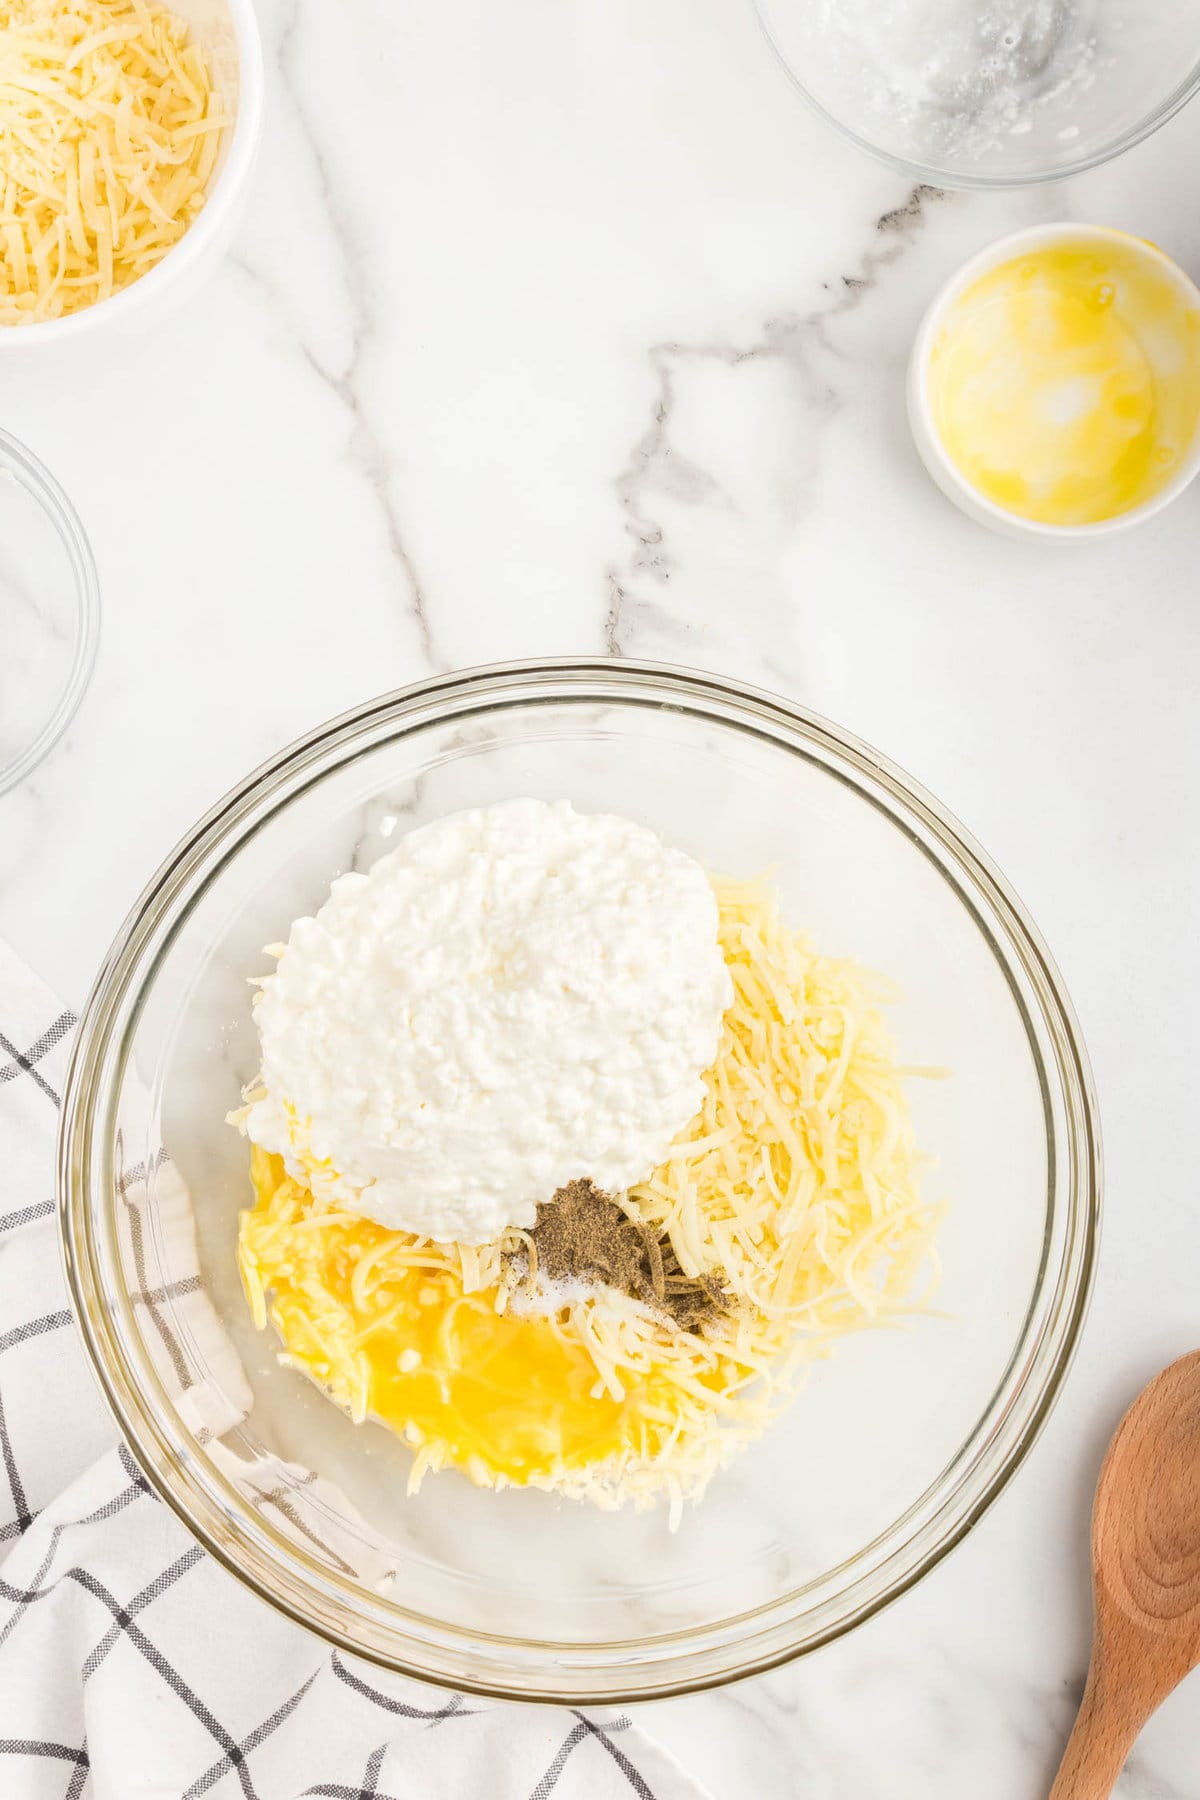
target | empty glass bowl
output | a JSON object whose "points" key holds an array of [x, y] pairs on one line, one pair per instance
{"points": [[989, 93], [49, 611], [895, 1446]]}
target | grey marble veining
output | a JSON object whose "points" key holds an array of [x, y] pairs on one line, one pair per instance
{"points": [[676, 471]]}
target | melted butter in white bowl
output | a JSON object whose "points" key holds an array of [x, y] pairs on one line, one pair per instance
{"points": [[1055, 383]]}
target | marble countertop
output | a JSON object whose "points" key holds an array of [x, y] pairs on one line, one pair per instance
{"points": [[577, 333]]}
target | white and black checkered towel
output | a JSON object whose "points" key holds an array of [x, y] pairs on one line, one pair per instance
{"points": [[131, 1666]]}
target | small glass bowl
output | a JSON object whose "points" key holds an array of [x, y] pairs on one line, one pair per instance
{"points": [[895, 1446], [967, 96], [49, 611]]}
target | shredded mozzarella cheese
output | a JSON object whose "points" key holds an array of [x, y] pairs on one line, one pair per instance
{"points": [[109, 133]]}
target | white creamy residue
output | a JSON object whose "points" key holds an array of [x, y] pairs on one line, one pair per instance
{"points": [[514, 998], [958, 77]]}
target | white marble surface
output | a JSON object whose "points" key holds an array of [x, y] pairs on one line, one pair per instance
{"points": [[565, 328]]}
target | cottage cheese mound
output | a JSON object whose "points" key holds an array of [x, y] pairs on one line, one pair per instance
{"points": [[514, 998]]}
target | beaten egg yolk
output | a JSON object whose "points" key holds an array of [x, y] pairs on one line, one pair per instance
{"points": [[1065, 384], [504, 1397]]}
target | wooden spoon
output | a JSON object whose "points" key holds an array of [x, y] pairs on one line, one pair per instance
{"points": [[1146, 1578]]}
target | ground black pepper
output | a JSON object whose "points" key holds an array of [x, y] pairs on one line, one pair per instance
{"points": [[582, 1234]]}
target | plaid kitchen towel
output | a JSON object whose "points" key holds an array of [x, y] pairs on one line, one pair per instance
{"points": [[131, 1666]]}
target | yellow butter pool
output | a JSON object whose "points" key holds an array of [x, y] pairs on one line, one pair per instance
{"points": [[1065, 384]]}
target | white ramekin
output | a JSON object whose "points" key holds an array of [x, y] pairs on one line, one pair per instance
{"points": [[228, 30], [920, 413]]}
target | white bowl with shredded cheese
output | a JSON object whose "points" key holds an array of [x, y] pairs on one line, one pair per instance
{"points": [[905, 1427], [126, 158]]}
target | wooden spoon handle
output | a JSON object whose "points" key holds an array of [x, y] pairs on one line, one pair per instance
{"points": [[1098, 1746]]}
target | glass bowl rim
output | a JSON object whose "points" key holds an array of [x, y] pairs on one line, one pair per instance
{"points": [[962, 180], [47, 493], [692, 1658]]}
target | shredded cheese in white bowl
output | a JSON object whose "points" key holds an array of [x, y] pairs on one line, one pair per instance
{"points": [[127, 131]]}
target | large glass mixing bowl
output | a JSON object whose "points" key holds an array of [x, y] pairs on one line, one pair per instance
{"points": [[896, 1444]]}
